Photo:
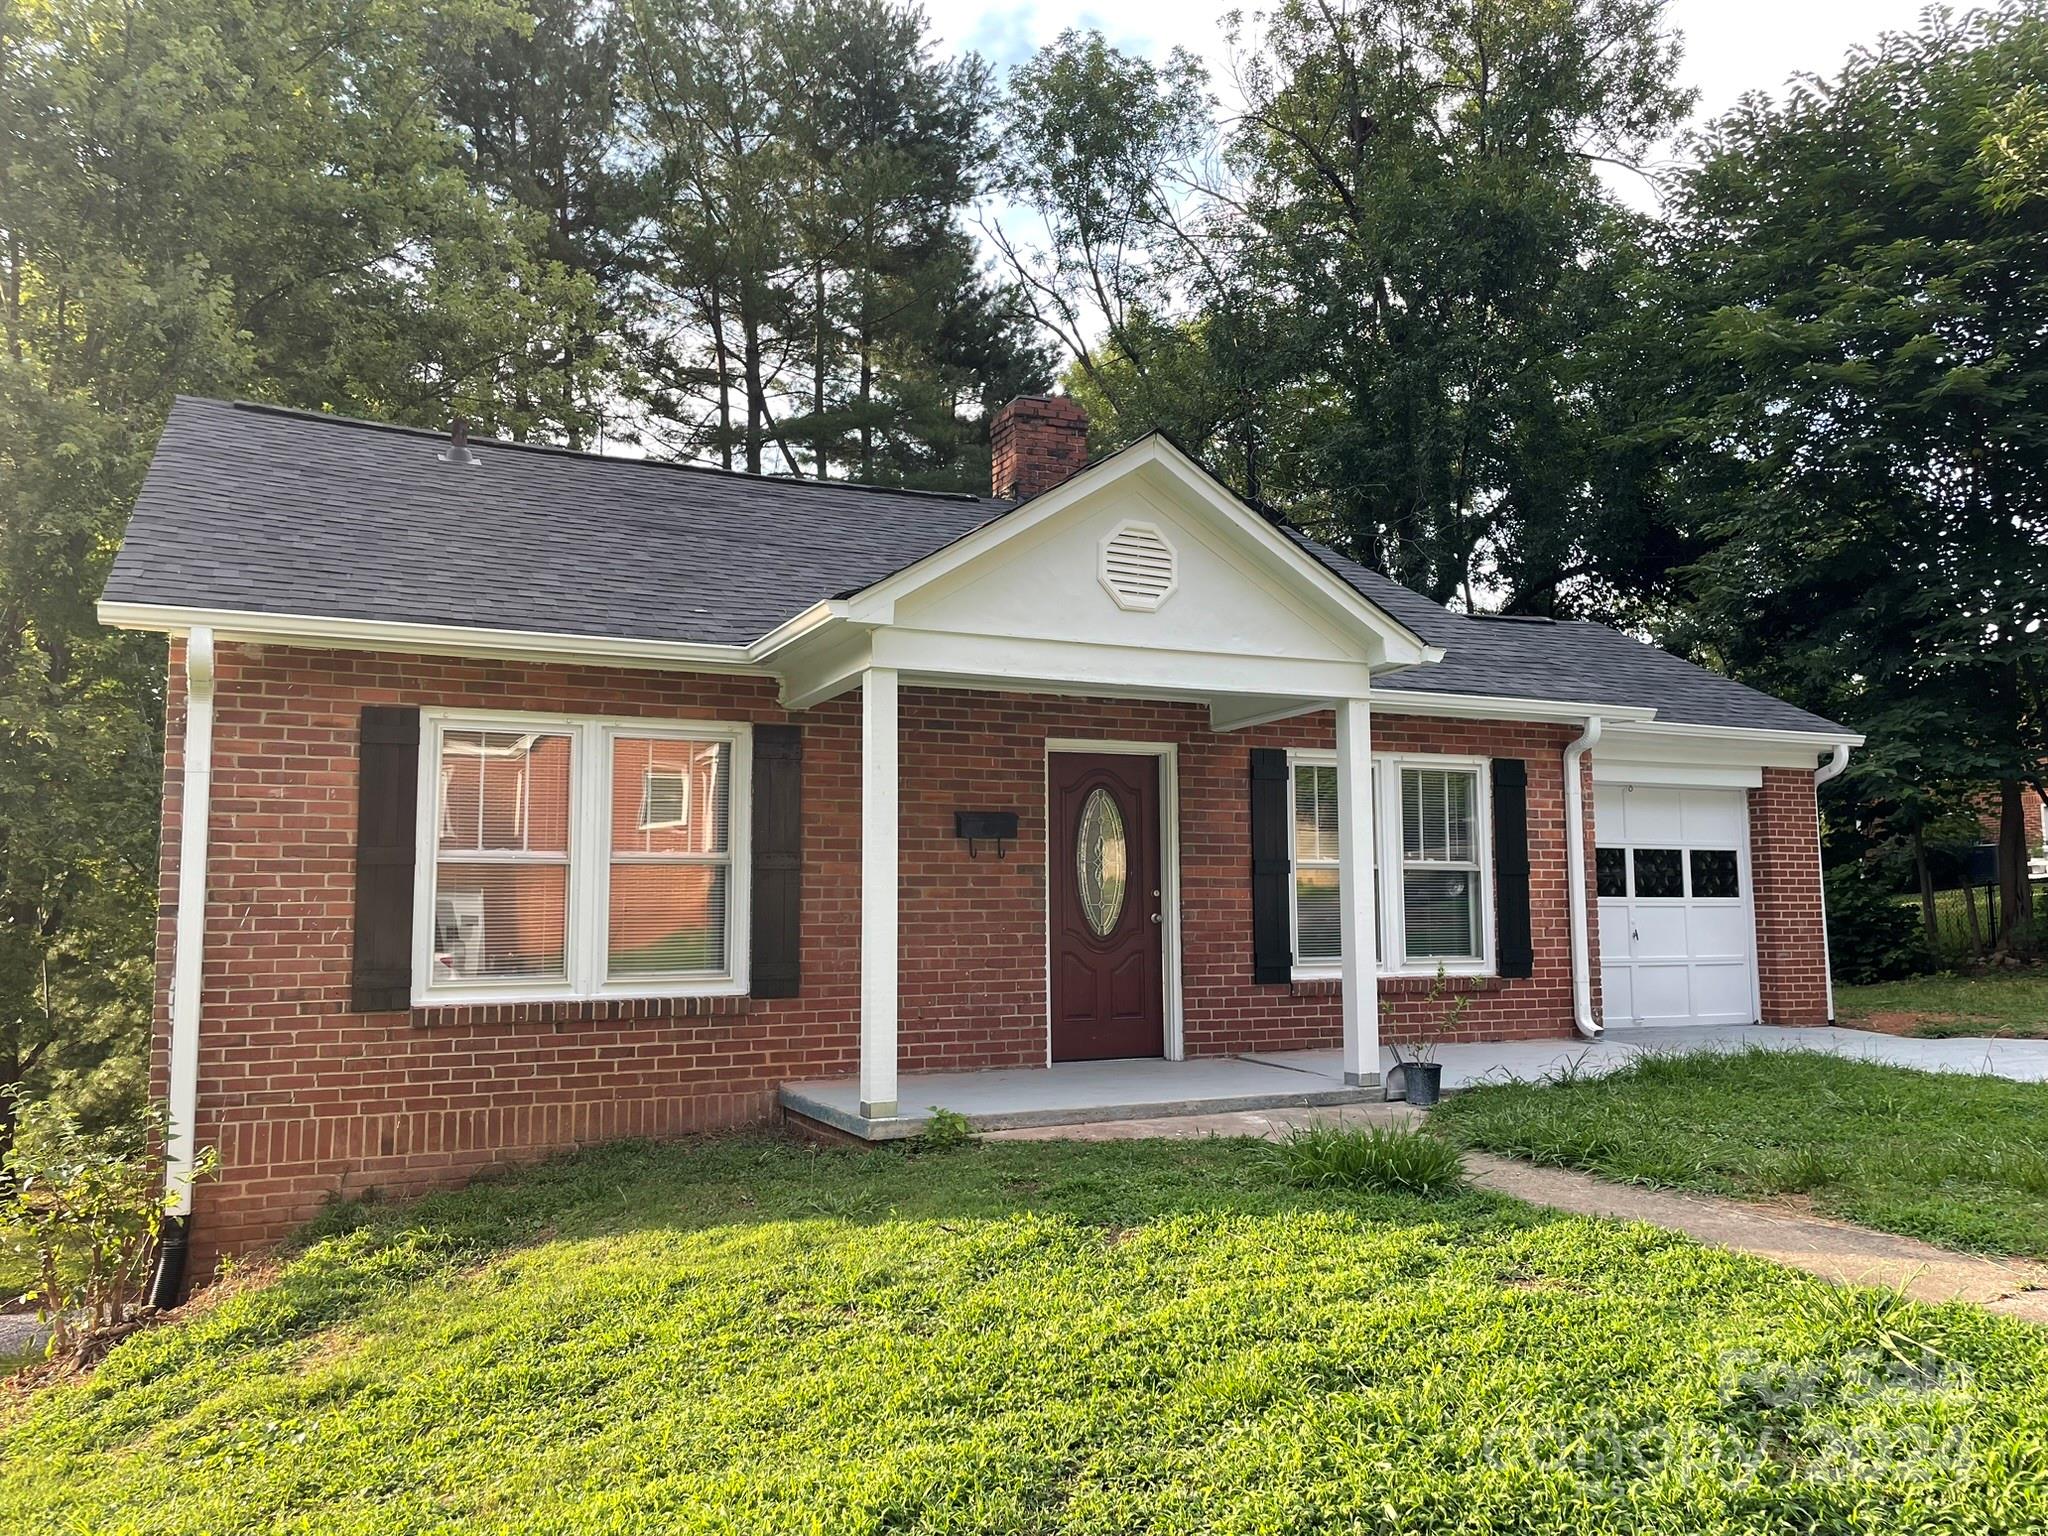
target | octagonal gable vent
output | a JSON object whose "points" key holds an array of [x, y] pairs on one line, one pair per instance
{"points": [[1139, 567]]}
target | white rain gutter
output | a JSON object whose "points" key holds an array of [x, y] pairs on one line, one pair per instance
{"points": [[1832, 768], [194, 811], [1575, 878]]}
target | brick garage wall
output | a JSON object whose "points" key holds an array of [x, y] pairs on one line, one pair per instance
{"points": [[306, 1100], [1784, 857]]}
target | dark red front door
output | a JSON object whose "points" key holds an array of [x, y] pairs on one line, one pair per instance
{"points": [[1108, 933]]}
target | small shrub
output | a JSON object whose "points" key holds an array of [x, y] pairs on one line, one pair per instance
{"points": [[83, 1210], [946, 1131], [1389, 1158], [1872, 936]]}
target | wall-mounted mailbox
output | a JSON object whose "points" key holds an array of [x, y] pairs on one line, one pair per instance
{"points": [[998, 827]]}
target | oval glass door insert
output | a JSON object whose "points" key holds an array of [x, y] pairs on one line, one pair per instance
{"points": [[1100, 861]]}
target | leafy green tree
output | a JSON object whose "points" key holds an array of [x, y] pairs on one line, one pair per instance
{"points": [[820, 308], [1871, 262], [537, 106], [1441, 262], [1103, 229], [237, 196]]}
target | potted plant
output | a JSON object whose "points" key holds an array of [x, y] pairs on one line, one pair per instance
{"points": [[1422, 1075]]}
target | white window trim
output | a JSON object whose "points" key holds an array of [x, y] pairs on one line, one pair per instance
{"points": [[1389, 910], [590, 860]]}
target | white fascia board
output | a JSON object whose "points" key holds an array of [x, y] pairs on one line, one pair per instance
{"points": [[431, 639], [790, 631], [877, 604], [1819, 741], [1031, 665], [1479, 706], [1629, 749]]}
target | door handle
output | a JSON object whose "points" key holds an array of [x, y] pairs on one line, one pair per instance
{"points": [[1157, 918]]}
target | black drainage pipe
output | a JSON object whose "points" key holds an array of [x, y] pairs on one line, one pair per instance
{"points": [[172, 1245]]}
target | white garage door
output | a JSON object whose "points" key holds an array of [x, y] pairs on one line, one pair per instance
{"points": [[1677, 943]]}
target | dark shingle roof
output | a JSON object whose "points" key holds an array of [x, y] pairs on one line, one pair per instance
{"points": [[1570, 660], [256, 509]]}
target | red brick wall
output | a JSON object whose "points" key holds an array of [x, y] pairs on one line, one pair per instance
{"points": [[1784, 857], [306, 1100]]}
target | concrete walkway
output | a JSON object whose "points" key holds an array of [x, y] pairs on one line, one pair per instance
{"points": [[1529, 1061], [1836, 1251]]}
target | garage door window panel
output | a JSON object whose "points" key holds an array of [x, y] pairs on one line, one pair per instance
{"points": [[1659, 874], [1716, 875]]}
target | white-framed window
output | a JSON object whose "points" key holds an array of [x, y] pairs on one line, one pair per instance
{"points": [[1443, 870], [1318, 947], [1431, 825], [580, 857]]}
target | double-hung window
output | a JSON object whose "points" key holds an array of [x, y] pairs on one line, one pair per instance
{"points": [[1430, 834], [1442, 878], [1318, 939], [580, 858]]}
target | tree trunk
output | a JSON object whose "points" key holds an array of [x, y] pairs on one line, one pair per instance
{"points": [[724, 358], [1970, 906], [2015, 896], [757, 397], [1926, 877], [818, 367]]}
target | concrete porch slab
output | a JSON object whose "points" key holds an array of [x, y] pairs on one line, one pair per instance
{"points": [[1080, 1092]]}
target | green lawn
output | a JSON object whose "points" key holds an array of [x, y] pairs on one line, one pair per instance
{"points": [[745, 1336], [2001, 1003], [1958, 1160]]}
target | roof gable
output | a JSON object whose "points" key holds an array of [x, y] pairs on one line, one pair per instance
{"points": [[1239, 585]]}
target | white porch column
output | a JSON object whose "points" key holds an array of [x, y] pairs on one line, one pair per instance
{"points": [[878, 893], [1355, 894]]}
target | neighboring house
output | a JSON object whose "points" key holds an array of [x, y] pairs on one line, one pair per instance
{"points": [[518, 798], [2034, 817]]}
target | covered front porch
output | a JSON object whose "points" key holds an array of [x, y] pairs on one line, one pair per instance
{"points": [[1068, 673]]}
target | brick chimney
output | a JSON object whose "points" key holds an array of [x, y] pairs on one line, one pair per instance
{"points": [[1035, 442]]}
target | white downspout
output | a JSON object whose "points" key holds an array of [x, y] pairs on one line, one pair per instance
{"points": [[194, 811], [1575, 878], [1832, 768]]}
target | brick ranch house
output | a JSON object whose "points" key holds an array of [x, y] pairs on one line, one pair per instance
{"points": [[518, 798]]}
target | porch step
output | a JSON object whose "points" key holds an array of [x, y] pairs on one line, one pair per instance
{"points": [[1077, 1093]]}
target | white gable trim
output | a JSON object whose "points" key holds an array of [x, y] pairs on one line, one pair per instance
{"points": [[877, 604]]}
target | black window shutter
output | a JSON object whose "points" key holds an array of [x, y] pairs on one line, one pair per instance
{"points": [[387, 831], [1272, 945], [778, 857], [1515, 953]]}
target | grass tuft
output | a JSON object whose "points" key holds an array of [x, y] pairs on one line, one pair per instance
{"points": [[1388, 1158]]}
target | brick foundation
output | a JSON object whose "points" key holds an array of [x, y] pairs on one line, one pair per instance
{"points": [[307, 1101]]}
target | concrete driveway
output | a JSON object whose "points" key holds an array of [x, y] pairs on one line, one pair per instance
{"points": [[2023, 1061]]}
